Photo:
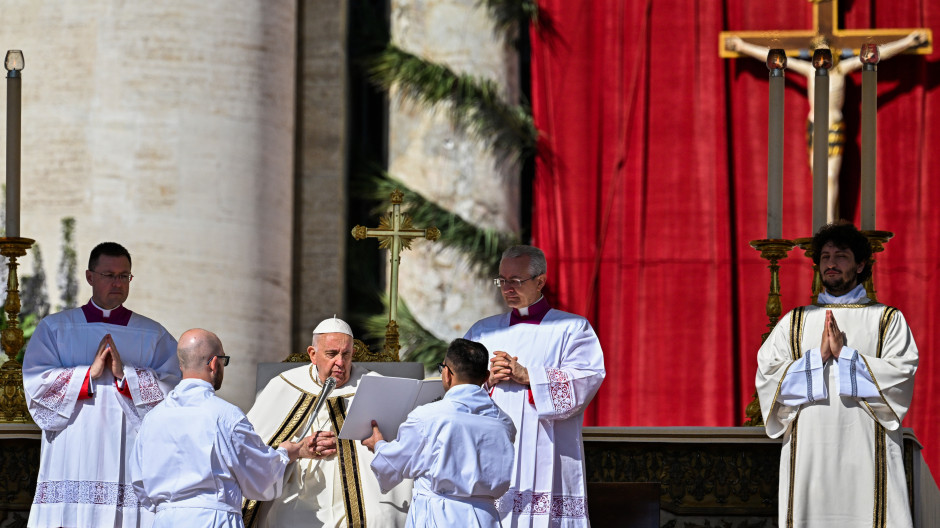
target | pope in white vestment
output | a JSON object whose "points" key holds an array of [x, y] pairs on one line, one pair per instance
{"points": [[459, 451], [89, 424], [840, 416], [338, 489], [565, 368]]}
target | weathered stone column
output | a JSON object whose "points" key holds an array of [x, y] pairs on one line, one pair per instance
{"points": [[445, 165], [322, 231], [169, 127]]}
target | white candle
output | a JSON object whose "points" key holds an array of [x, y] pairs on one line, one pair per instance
{"points": [[869, 57], [13, 63], [776, 63], [822, 60]]}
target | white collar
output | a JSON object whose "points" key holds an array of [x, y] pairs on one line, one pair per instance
{"points": [[106, 313], [857, 294]]}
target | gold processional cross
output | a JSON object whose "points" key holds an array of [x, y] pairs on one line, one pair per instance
{"points": [[395, 233]]}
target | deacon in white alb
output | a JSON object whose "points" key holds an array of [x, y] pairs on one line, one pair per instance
{"points": [[835, 379], [458, 450], [336, 488], [197, 455], [91, 374], [547, 366]]}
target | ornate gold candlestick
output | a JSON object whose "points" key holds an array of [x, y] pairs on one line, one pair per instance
{"points": [[877, 239], [772, 250], [806, 244], [12, 396]]}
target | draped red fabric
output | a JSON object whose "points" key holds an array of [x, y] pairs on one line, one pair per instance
{"points": [[652, 179]]}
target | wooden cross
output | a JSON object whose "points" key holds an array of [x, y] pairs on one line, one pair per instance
{"points": [[395, 233], [825, 24]]}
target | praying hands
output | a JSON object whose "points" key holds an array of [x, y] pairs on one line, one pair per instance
{"points": [[107, 357], [506, 367], [833, 339]]}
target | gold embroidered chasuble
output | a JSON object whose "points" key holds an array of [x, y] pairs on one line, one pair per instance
{"points": [[336, 491]]}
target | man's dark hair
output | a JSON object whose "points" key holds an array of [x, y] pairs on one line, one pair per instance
{"points": [[844, 235], [468, 360], [110, 249]]}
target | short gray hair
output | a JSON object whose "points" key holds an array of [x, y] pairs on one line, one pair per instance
{"points": [[537, 264]]}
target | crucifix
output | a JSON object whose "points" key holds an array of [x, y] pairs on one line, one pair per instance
{"points": [[395, 233], [845, 45]]}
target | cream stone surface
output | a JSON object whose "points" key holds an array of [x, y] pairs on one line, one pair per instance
{"points": [[447, 166], [320, 259], [168, 127]]}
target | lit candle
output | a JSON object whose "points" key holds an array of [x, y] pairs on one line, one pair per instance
{"points": [[776, 63], [14, 64], [822, 61], [869, 57]]}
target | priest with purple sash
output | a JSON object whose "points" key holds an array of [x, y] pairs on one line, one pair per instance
{"points": [[91, 374], [546, 367]]}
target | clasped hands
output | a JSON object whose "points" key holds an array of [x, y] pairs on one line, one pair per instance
{"points": [[107, 357], [505, 367], [833, 339]]}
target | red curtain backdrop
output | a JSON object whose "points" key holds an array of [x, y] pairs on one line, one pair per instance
{"points": [[652, 178]]}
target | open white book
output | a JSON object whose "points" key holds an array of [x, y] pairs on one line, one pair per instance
{"points": [[388, 401]]}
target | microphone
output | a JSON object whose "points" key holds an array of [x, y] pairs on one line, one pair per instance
{"points": [[328, 386]]}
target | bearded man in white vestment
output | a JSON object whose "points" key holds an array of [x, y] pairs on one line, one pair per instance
{"points": [[835, 380], [336, 487], [458, 450], [90, 375], [197, 454], [546, 367]]}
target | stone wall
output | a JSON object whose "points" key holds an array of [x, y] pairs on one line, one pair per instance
{"points": [[168, 127], [447, 166]]}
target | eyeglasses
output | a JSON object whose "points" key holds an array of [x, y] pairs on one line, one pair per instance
{"points": [[223, 359], [110, 277], [441, 366], [515, 283]]}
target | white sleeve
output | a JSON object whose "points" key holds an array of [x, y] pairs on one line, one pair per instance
{"points": [[804, 382], [396, 460], [259, 469], [854, 379]]}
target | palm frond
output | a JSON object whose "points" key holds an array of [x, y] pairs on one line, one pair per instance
{"points": [[507, 13], [474, 104]]}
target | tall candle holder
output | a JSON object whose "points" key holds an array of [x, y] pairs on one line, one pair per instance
{"points": [[877, 239], [806, 244], [12, 396], [772, 250]]}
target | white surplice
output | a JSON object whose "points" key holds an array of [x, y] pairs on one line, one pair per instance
{"points": [[841, 421], [459, 451], [195, 457], [84, 480], [566, 367], [335, 491]]}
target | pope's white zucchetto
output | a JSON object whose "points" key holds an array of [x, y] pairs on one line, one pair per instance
{"points": [[333, 325]]}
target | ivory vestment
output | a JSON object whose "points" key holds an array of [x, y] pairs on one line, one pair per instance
{"points": [[338, 490], [84, 476], [566, 367], [841, 421], [459, 451]]}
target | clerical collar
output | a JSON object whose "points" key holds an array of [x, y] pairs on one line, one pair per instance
{"points": [[857, 294], [95, 314], [532, 314]]}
